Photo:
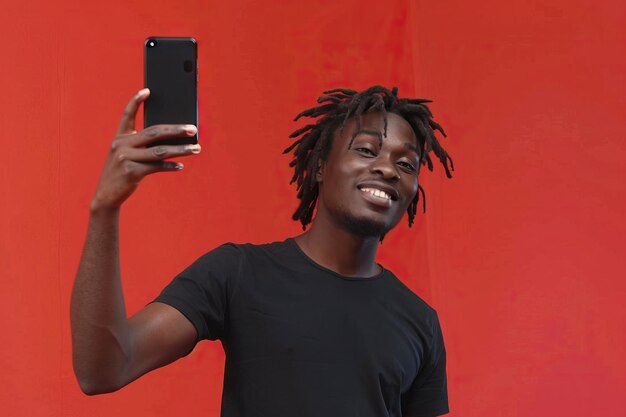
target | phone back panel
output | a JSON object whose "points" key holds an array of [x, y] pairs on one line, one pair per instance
{"points": [[171, 75]]}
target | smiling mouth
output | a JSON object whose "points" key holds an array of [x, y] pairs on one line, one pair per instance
{"points": [[377, 197], [377, 193]]}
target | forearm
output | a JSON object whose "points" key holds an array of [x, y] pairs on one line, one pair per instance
{"points": [[100, 333]]}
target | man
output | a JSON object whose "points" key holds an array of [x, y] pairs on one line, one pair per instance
{"points": [[311, 326]]}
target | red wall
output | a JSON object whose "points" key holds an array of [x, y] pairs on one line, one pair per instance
{"points": [[521, 253]]}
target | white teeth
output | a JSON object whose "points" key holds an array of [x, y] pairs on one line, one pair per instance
{"points": [[377, 193]]}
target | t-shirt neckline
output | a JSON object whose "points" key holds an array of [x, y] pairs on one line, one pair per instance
{"points": [[291, 241]]}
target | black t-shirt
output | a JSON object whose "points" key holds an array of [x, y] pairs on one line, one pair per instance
{"points": [[302, 340]]}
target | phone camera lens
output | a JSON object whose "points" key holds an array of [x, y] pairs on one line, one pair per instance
{"points": [[151, 43]]}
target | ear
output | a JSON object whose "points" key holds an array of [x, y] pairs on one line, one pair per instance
{"points": [[319, 174]]}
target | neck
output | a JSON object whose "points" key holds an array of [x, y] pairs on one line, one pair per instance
{"points": [[339, 250]]}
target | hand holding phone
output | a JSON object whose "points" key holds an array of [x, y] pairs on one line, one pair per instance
{"points": [[134, 154]]}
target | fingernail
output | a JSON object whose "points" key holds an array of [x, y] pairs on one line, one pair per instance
{"points": [[143, 92], [193, 148], [179, 166], [190, 129]]}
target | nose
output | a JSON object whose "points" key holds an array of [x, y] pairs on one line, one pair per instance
{"points": [[386, 168]]}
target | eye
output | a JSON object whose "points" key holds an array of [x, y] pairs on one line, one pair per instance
{"points": [[365, 151], [407, 166]]}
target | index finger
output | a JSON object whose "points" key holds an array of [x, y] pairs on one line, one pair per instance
{"points": [[127, 124]]}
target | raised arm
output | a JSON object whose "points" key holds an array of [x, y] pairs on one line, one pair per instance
{"points": [[110, 350]]}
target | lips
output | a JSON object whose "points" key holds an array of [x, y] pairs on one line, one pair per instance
{"points": [[379, 190], [377, 194]]}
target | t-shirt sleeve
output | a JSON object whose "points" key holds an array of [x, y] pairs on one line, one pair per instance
{"points": [[202, 291], [428, 395]]}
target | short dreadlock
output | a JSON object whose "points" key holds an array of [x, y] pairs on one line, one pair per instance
{"points": [[339, 105]]}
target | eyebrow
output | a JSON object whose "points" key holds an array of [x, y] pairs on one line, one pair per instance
{"points": [[367, 132], [411, 147], [376, 133]]}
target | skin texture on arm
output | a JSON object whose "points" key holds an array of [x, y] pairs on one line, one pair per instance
{"points": [[108, 349]]}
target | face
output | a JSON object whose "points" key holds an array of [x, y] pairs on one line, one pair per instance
{"points": [[366, 186]]}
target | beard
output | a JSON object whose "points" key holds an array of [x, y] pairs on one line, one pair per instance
{"points": [[362, 226]]}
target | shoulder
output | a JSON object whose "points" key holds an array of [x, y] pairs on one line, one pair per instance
{"points": [[252, 251], [241, 252]]}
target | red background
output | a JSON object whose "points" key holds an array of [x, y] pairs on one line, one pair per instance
{"points": [[521, 253]]}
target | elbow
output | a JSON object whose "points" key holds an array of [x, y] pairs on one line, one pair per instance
{"points": [[97, 374], [93, 386], [89, 388], [96, 381]]}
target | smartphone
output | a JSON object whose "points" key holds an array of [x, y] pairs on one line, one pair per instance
{"points": [[171, 74]]}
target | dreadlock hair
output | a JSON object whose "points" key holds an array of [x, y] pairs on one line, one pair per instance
{"points": [[336, 107]]}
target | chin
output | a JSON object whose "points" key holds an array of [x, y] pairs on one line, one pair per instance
{"points": [[365, 227]]}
